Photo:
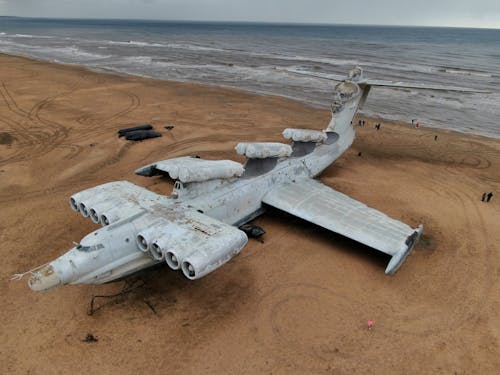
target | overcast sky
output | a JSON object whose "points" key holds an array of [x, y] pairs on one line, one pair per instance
{"points": [[467, 13]]}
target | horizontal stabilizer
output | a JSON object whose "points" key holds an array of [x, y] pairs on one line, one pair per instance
{"points": [[381, 83], [420, 86], [331, 77], [323, 206]]}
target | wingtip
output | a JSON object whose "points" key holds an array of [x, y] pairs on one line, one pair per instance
{"points": [[398, 259]]}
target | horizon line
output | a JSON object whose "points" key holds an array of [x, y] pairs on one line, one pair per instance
{"points": [[290, 23]]}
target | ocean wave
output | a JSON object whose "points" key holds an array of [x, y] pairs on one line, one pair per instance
{"points": [[187, 46], [134, 43], [466, 72], [7, 42], [193, 47], [339, 62], [262, 62], [30, 36], [160, 62], [139, 59], [322, 60], [73, 52]]}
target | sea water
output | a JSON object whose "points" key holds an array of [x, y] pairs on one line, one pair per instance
{"points": [[261, 58]]}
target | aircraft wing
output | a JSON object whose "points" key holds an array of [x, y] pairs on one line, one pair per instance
{"points": [[179, 234], [323, 206], [111, 202]]}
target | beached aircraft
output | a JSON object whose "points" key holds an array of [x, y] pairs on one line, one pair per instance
{"points": [[196, 228]]}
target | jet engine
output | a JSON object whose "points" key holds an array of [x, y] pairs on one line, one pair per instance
{"points": [[213, 253], [146, 237]]}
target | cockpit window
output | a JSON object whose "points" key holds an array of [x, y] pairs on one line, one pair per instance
{"points": [[87, 249]]}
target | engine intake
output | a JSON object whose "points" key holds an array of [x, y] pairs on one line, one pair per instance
{"points": [[146, 237], [213, 253]]}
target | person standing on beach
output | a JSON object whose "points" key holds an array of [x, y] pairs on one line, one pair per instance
{"points": [[489, 196], [483, 198]]}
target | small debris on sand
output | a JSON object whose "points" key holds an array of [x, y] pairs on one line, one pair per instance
{"points": [[140, 135], [90, 338], [6, 138], [123, 132]]}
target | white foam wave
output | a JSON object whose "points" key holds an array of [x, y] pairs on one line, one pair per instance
{"points": [[193, 47], [467, 72], [322, 60], [73, 52], [187, 46], [30, 36], [135, 43], [145, 60]]}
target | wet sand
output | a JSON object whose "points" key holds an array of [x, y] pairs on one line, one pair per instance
{"points": [[297, 303]]}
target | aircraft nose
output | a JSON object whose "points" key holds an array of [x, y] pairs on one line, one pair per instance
{"points": [[44, 279]]}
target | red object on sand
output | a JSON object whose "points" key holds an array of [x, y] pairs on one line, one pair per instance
{"points": [[370, 324]]}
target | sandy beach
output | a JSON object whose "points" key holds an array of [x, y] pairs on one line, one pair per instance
{"points": [[299, 302]]}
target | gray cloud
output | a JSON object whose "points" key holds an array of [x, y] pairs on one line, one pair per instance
{"points": [[479, 13]]}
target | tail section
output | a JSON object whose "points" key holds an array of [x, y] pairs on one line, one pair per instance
{"points": [[347, 98], [352, 91]]}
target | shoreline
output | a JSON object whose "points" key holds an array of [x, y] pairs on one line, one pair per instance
{"points": [[105, 70]]}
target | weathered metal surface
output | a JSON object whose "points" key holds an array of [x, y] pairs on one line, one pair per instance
{"points": [[189, 169], [263, 150], [321, 205], [304, 135], [195, 228]]}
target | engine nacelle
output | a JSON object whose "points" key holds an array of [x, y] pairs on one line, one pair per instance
{"points": [[85, 205], [213, 253], [176, 254], [174, 244], [116, 214], [147, 236], [99, 209], [76, 199]]}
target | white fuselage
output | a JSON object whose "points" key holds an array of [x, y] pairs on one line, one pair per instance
{"points": [[231, 201]]}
